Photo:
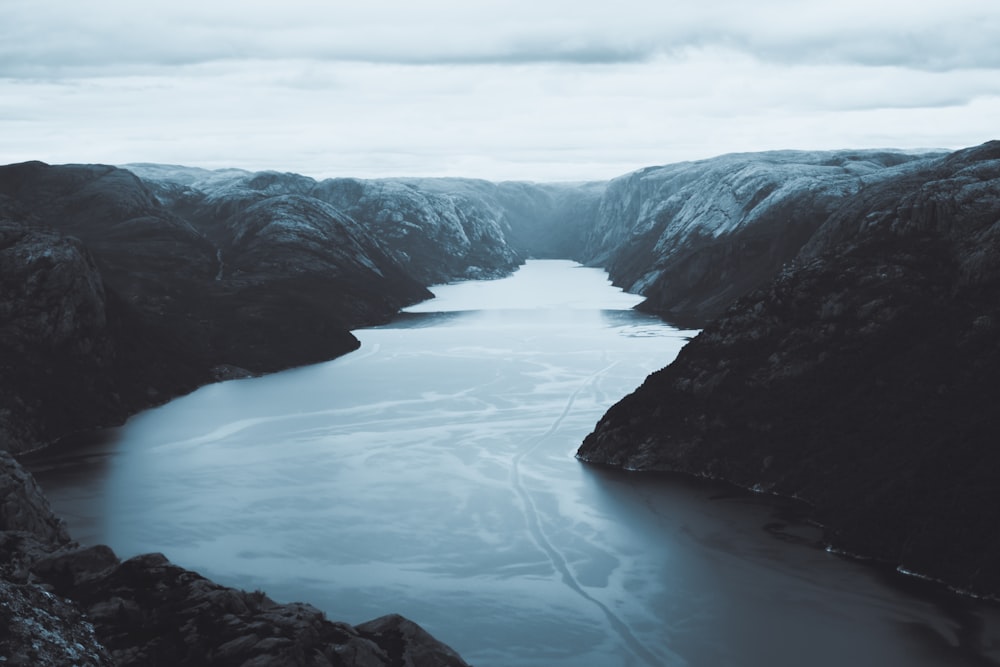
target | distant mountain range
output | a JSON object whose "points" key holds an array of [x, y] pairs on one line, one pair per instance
{"points": [[850, 302]]}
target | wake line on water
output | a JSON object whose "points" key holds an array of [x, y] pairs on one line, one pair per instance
{"points": [[555, 557]]}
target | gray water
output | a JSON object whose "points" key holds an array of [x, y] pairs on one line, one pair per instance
{"points": [[431, 473]]}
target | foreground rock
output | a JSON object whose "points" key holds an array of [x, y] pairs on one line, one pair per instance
{"points": [[862, 379], [63, 604]]}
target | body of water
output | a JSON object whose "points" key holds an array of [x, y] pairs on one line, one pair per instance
{"points": [[431, 473]]}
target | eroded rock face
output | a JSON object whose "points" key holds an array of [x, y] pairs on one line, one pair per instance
{"points": [[862, 379], [63, 604]]}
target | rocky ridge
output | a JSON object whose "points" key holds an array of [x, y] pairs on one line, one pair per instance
{"points": [[437, 229], [861, 379]]}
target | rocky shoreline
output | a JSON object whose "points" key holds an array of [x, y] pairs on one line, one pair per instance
{"points": [[62, 603]]}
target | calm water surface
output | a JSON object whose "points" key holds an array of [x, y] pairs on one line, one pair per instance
{"points": [[431, 473]]}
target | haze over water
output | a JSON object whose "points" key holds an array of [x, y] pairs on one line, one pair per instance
{"points": [[431, 473]]}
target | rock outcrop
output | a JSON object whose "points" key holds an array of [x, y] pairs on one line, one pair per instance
{"points": [[861, 379], [63, 604]]}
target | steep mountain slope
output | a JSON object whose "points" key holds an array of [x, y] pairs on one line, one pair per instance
{"points": [[114, 300], [861, 379], [74, 353], [299, 275], [541, 220], [436, 236], [694, 236]]}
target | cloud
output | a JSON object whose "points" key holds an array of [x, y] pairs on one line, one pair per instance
{"points": [[54, 37], [513, 89], [531, 121]]}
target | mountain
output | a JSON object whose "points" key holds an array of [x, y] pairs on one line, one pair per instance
{"points": [[861, 379], [694, 236], [116, 298]]}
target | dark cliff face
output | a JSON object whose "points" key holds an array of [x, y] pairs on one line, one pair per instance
{"points": [[862, 379], [73, 353], [63, 604], [692, 237]]}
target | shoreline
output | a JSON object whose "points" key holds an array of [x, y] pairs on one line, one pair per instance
{"points": [[877, 564]]}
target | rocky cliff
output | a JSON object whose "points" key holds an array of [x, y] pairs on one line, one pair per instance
{"points": [[63, 604], [861, 379], [117, 297], [692, 237], [73, 352]]}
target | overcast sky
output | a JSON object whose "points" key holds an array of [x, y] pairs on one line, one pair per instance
{"points": [[512, 89]]}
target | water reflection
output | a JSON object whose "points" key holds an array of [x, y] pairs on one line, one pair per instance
{"points": [[431, 473]]}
